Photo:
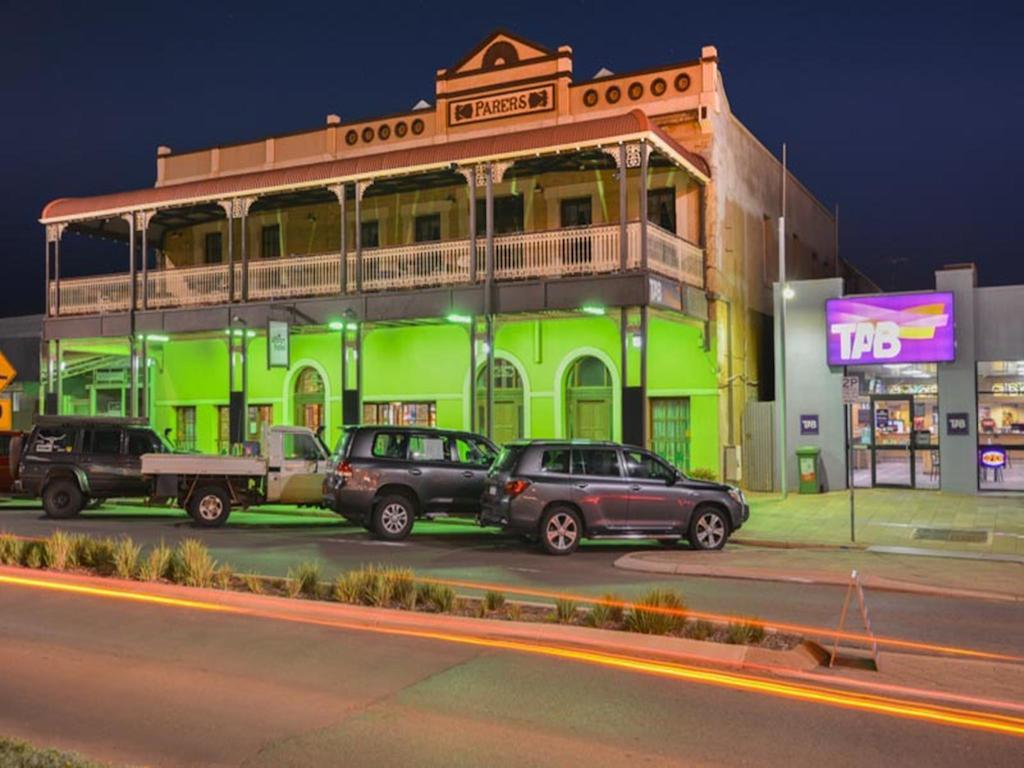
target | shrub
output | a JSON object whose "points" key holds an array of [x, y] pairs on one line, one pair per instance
{"points": [[253, 583], [158, 564], [10, 549], [565, 610], [304, 579], [365, 586], [493, 600], [744, 633], [194, 566], [60, 551], [400, 586], [702, 473], [606, 611], [97, 554], [514, 611], [659, 612], [126, 558], [18, 754], [32, 554], [700, 630], [348, 588], [437, 597], [223, 576]]}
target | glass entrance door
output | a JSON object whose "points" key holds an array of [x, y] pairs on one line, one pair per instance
{"points": [[892, 424]]}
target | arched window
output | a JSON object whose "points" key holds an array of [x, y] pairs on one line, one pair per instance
{"points": [[308, 397], [508, 402], [588, 400]]}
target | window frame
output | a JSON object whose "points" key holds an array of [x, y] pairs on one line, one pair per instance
{"points": [[270, 234], [579, 449]]}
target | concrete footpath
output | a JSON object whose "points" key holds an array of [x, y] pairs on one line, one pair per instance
{"points": [[933, 574], [945, 522]]}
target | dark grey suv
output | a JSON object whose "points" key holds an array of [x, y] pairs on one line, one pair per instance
{"points": [[562, 491], [384, 477]]}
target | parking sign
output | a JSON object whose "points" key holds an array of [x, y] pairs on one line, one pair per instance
{"points": [[851, 390]]}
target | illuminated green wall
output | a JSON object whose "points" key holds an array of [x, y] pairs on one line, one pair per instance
{"points": [[431, 362]]}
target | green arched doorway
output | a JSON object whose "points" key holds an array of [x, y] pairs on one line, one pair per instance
{"points": [[588, 400], [508, 402], [308, 398]]}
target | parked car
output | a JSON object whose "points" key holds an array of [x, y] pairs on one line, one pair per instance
{"points": [[559, 492], [385, 476], [207, 487], [10, 445], [70, 461]]}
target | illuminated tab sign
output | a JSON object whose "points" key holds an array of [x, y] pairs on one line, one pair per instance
{"points": [[902, 328], [492, 106]]}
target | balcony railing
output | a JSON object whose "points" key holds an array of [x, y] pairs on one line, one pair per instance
{"points": [[549, 254]]}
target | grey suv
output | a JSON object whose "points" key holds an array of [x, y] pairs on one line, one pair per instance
{"points": [[384, 477], [562, 491]]}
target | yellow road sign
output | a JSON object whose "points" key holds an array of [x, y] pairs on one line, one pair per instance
{"points": [[7, 372]]}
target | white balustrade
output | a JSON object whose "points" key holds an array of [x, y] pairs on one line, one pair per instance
{"points": [[525, 255]]}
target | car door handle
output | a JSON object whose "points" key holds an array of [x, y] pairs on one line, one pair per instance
{"points": [[415, 471], [636, 487], [467, 473], [580, 485]]}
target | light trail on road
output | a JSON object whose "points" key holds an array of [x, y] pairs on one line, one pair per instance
{"points": [[893, 642], [946, 716]]}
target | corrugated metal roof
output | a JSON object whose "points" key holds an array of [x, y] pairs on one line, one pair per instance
{"points": [[567, 134]]}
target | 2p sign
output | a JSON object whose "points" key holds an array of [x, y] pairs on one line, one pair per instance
{"points": [[902, 328]]}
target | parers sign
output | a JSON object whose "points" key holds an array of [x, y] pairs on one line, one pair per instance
{"points": [[903, 328]]}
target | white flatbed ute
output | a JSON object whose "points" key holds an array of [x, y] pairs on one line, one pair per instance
{"points": [[208, 487]]}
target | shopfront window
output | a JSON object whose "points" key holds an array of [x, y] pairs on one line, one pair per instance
{"points": [[420, 414], [894, 427], [1001, 426]]}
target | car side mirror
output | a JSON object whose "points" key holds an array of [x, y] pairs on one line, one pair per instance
{"points": [[672, 480]]}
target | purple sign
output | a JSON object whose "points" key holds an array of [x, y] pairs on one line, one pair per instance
{"points": [[901, 328]]}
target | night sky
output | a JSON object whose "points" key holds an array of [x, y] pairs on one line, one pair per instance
{"points": [[906, 114]]}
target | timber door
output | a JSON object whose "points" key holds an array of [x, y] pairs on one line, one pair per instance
{"points": [[670, 430]]}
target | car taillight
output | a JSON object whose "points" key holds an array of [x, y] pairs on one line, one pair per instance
{"points": [[344, 469], [514, 487]]}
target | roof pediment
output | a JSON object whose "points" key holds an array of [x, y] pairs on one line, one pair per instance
{"points": [[498, 50]]}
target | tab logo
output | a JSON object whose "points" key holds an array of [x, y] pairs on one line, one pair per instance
{"points": [[901, 328]]}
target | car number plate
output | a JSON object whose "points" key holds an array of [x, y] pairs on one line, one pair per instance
{"points": [[493, 490]]}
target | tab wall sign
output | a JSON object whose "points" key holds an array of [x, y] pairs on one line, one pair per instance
{"points": [[900, 328]]}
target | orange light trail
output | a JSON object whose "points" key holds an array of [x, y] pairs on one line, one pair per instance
{"points": [[892, 642], [946, 716]]}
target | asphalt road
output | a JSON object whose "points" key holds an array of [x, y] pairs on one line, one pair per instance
{"points": [[271, 542], [154, 685]]}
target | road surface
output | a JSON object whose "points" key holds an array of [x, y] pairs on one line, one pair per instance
{"points": [[272, 543], [155, 685]]}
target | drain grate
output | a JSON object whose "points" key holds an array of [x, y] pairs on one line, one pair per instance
{"points": [[962, 535]]}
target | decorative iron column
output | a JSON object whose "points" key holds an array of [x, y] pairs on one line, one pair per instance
{"points": [[644, 151], [339, 191], [489, 294], [360, 191], [470, 174], [241, 212], [623, 209], [54, 233], [229, 208]]}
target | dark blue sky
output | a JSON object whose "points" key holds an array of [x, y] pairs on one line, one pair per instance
{"points": [[907, 114]]}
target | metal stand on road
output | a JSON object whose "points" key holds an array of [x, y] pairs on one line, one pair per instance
{"points": [[851, 393], [854, 587]]}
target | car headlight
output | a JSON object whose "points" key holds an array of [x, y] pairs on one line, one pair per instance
{"points": [[737, 495]]}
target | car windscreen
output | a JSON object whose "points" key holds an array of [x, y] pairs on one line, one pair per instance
{"points": [[507, 458]]}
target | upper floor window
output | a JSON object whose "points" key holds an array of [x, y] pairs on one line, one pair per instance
{"points": [[508, 215], [427, 228], [661, 208], [213, 252], [577, 212], [270, 242], [369, 234]]}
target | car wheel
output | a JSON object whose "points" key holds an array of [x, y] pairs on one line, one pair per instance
{"points": [[62, 499], [560, 531], [393, 517], [210, 506], [708, 529]]}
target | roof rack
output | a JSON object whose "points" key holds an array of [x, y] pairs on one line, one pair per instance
{"points": [[119, 421]]}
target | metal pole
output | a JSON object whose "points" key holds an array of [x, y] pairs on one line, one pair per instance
{"points": [[359, 241], [643, 205], [472, 374], [489, 297], [781, 394], [245, 380], [343, 247], [359, 372], [145, 262], [59, 375], [623, 210], [245, 253], [133, 406], [343, 337], [472, 231], [643, 370], [56, 273], [46, 274], [144, 406], [838, 270], [849, 463], [231, 251]]}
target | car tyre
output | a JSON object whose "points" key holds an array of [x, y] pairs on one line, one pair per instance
{"points": [[209, 506], [709, 529], [560, 531], [62, 499], [393, 517]]}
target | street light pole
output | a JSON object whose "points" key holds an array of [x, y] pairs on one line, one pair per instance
{"points": [[780, 396]]}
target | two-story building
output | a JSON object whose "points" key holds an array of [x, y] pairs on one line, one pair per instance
{"points": [[531, 255]]}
